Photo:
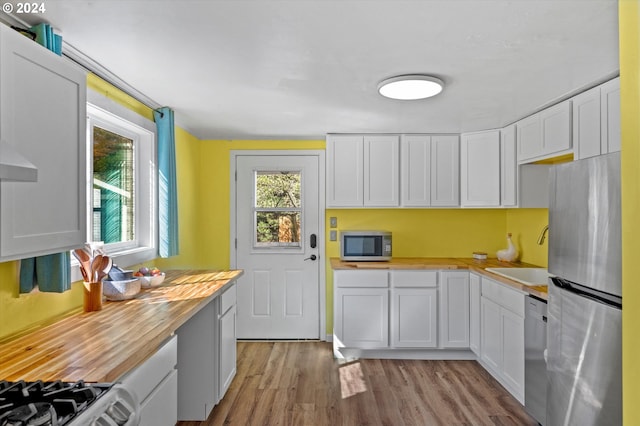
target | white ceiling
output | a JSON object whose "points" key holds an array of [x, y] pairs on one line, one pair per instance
{"points": [[264, 69]]}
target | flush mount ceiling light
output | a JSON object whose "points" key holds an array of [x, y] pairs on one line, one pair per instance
{"points": [[410, 87]]}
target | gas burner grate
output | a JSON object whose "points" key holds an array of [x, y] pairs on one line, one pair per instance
{"points": [[46, 403]]}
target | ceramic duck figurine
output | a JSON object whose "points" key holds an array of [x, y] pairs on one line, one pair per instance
{"points": [[510, 253]]}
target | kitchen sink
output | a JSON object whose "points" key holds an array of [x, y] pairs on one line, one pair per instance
{"points": [[526, 276]]}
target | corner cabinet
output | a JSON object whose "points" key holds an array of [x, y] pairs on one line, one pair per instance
{"points": [[42, 117], [454, 309], [545, 134], [430, 170], [363, 171]]}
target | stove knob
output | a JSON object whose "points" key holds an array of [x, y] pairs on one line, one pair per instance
{"points": [[103, 420], [120, 411]]}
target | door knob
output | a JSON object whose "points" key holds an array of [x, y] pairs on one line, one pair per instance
{"points": [[312, 257]]}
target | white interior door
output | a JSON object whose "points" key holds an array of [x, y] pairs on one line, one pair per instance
{"points": [[277, 232]]}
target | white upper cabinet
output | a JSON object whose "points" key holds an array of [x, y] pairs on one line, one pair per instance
{"points": [[345, 171], [430, 170], [586, 124], [43, 117], [480, 169], [545, 134], [363, 171], [381, 171], [508, 167], [596, 120], [610, 115]]}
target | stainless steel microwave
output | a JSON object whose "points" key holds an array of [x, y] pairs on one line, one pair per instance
{"points": [[371, 246]]}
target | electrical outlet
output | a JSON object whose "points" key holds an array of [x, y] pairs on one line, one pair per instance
{"points": [[333, 235], [333, 222]]}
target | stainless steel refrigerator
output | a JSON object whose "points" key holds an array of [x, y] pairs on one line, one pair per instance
{"points": [[584, 340]]}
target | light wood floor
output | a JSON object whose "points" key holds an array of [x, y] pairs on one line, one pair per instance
{"points": [[300, 383]]}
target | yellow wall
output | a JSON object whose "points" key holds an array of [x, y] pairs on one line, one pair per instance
{"points": [[630, 108], [19, 312], [526, 226]]}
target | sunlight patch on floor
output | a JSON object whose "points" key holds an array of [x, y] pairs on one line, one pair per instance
{"points": [[351, 380]]}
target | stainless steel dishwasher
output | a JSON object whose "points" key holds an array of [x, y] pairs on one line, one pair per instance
{"points": [[535, 365]]}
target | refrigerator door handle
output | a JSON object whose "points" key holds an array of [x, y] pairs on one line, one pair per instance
{"points": [[589, 293]]}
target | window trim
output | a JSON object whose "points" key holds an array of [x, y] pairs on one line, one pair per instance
{"points": [[101, 109]]}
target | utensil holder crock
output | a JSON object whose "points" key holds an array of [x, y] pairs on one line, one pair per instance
{"points": [[92, 296]]}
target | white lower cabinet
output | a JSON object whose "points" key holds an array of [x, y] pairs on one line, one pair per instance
{"points": [[502, 335], [207, 356], [474, 313], [155, 384], [454, 309], [362, 317], [414, 309], [401, 309]]}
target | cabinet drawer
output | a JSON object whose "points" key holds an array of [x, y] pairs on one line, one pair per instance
{"points": [[147, 376], [414, 278], [504, 296], [227, 299], [161, 407], [364, 278]]}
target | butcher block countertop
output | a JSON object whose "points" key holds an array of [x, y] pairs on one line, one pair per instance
{"points": [[453, 263], [102, 346]]}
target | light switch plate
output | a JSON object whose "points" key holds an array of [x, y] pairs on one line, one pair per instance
{"points": [[333, 235], [333, 222]]}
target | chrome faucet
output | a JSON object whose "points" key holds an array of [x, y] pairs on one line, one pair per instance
{"points": [[543, 235]]}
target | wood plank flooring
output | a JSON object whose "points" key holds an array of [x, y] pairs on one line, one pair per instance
{"points": [[300, 383]]}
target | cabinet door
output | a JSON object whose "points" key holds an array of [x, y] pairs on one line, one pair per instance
{"points": [[474, 313], [610, 121], [381, 171], [416, 170], [508, 167], [513, 352], [556, 128], [43, 105], [414, 317], [344, 171], [480, 169], [198, 358], [529, 137], [454, 309], [586, 124], [445, 170], [362, 317], [491, 332], [227, 350], [161, 406]]}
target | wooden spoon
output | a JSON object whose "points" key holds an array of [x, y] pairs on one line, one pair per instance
{"points": [[85, 263], [107, 263], [96, 265]]}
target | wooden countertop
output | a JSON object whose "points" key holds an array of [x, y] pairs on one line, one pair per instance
{"points": [[102, 346], [453, 263]]}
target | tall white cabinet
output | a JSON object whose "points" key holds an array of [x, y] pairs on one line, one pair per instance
{"points": [[430, 170], [43, 118]]}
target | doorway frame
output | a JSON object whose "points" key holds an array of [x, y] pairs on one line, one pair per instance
{"points": [[322, 264]]}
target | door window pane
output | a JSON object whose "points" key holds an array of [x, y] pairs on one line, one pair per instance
{"points": [[113, 187], [277, 209]]}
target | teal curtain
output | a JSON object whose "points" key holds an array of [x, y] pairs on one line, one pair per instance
{"points": [[50, 273], [167, 187], [46, 37]]}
